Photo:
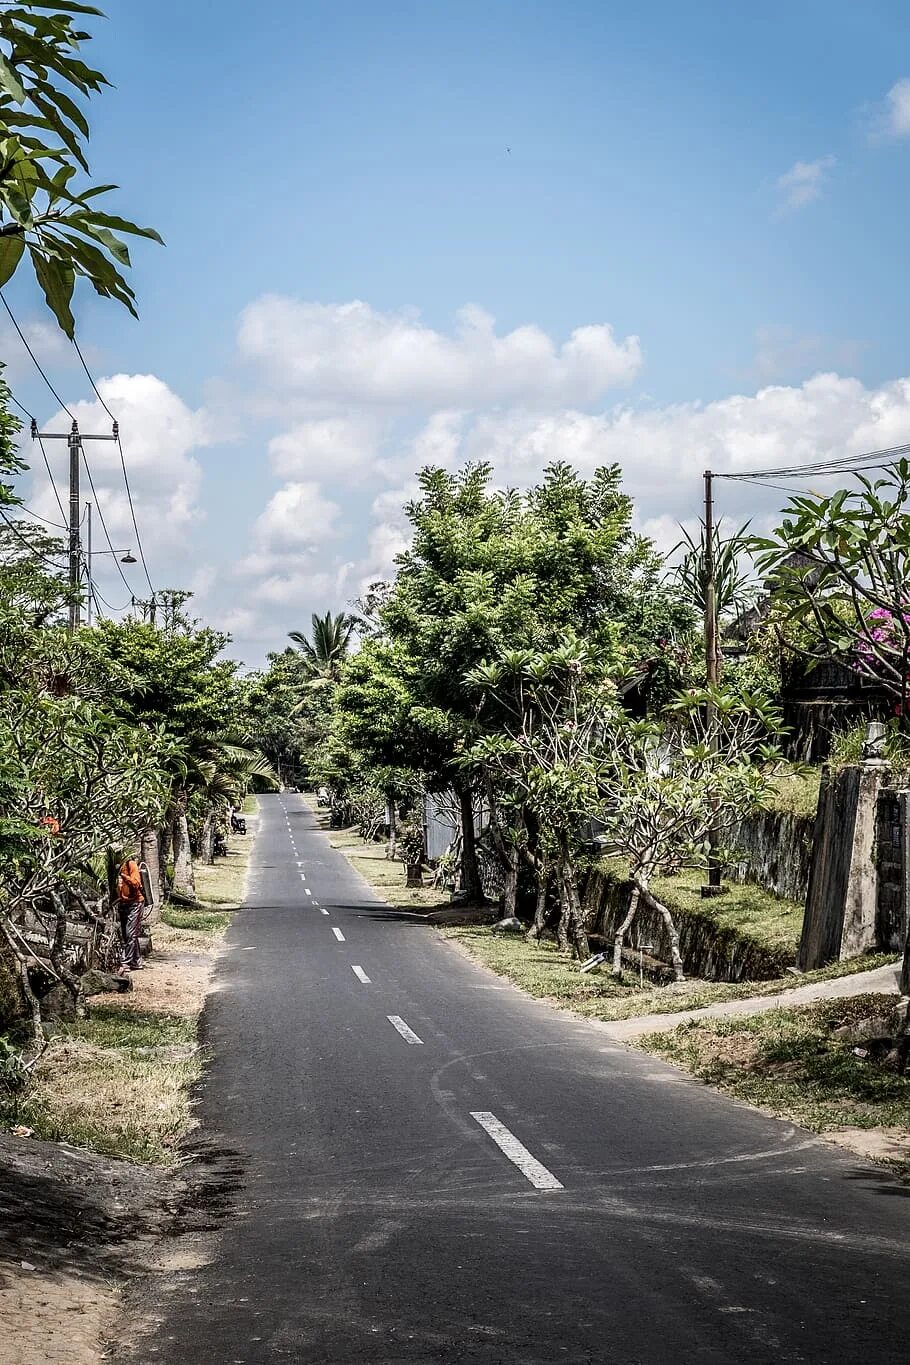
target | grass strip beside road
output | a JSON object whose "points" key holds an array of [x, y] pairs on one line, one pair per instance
{"points": [[542, 971], [120, 1081], [789, 1062]]}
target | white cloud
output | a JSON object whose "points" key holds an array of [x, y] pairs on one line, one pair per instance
{"points": [[663, 451], [803, 183], [159, 433], [350, 353], [295, 520], [342, 448], [896, 114]]}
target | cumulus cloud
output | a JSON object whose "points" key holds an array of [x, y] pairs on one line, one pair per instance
{"points": [[895, 119], [350, 353], [294, 522], [803, 183], [340, 447], [159, 433]]}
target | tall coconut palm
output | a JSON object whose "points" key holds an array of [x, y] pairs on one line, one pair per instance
{"points": [[325, 652]]}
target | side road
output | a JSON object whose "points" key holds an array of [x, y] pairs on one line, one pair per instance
{"points": [[411, 1130], [880, 981]]}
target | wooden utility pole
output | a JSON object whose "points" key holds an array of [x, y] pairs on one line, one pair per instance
{"points": [[74, 439], [712, 661]]}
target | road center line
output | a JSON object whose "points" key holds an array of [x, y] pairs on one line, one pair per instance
{"points": [[323, 912], [407, 1034], [308, 891], [518, 1154], [361, 975], [339, 935]]}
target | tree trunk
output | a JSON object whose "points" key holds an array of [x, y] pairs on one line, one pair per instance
{"points": [[207, 848], [470, 871], [392, 846], [672, 932], [623, 929], [69, 978], [413, 874], [149, 852], [577, 931], [164, 858], [905, 972], [184, 880], [562, 924], [510, 884], [540, 907]]}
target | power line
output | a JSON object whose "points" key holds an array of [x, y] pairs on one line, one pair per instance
{"points": [[110, 543], [36, 434], [845, 464], [38, 517], [35, 360], [45, 559], [126, 481], [96, 593]]}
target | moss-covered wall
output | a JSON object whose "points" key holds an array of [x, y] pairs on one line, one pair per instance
{"points": [[709, 950]]}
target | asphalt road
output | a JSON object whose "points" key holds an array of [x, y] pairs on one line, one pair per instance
{"points": [[601, 1208]]}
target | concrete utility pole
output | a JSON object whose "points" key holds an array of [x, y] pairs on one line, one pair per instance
{"points": [[74, 439], [88, 562]]}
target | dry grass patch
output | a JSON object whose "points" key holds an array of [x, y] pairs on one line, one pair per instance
{"points": [[789, 1062]]}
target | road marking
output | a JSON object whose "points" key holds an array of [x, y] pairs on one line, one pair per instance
{"points": [[339, 935], [308, 891], [303, 876], [323, 912], [407, 1034], [361, 975], [507, 1142]]}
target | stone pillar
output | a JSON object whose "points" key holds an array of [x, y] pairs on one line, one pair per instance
{"points": [[841, 905]]}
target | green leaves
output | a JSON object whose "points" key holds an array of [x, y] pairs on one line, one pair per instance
{"points": [[57, 281], [41, 127], [11, 249]]}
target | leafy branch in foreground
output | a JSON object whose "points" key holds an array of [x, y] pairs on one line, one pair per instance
{"points": [[43, 137]]}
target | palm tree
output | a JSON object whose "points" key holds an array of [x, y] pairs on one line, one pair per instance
{"points": [[324, 654]]}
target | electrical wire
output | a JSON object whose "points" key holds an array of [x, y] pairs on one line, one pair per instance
{"points": [[35, 360], [844, 464], [96, 593], [47, 463], [58, 526], [110, 543], [126, 480], [45, 559]]}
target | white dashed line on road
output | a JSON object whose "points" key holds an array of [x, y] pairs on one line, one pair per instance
{"points": [[518, 1154], [323, 912], [361, 975], [407, 1034], [308, 891], [339, 935]]}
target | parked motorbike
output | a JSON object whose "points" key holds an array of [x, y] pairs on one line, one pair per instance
{"points": [[238, 823], [219, 847]]}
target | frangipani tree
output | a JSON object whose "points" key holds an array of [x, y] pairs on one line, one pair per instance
{"points": [[668, 783], [838, 569], [545, 758]]}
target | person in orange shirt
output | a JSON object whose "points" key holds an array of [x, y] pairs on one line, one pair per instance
{"points": [[130, 905]]}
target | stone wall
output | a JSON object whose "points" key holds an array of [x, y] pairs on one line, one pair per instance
{"points": [[773, 849], [708, 950]]}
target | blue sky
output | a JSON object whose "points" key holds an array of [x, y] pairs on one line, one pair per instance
{"points": [[727, 184]]}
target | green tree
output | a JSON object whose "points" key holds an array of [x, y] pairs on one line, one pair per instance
{"points": [[326, 650], [49, 207], [838, 569]]}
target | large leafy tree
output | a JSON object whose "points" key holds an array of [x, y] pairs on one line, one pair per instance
{"points": [[490, 570], [50, 209], [838, 568]]}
